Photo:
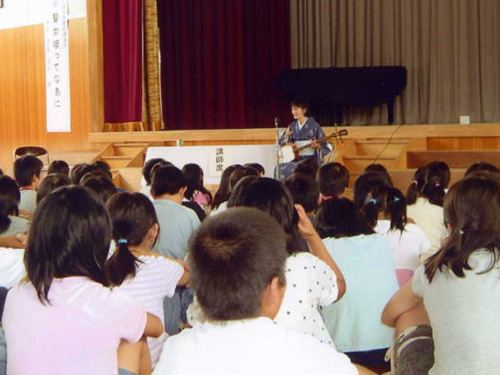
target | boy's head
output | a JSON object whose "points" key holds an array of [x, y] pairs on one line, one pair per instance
{"points": [[50, 183], [167, 180], [147, 169], [305, 191], [333, 179], [59, 166], [237, 263], [27, 171]]}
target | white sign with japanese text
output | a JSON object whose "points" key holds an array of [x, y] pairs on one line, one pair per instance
{"points": [[57, 67]]}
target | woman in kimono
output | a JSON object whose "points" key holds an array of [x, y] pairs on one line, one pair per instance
{"points": [[302, 131]]}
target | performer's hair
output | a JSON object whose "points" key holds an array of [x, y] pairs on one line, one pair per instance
{"points": [[300, 103]]}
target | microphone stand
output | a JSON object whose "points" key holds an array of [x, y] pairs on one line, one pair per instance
{"points": [[277, 172]]}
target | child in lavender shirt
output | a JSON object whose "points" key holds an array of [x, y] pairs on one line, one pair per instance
{"points": [[64, 319]]}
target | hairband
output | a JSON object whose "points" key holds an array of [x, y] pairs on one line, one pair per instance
{"points": [[122, 240]]}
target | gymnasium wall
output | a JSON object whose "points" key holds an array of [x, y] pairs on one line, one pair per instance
{"points": [[22, 80]]}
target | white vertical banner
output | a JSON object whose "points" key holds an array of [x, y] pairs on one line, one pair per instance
{"points": [[57, 66]]}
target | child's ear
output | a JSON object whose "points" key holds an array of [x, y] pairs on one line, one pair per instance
{"points": [[35, 180], [272, 297], [182, 190]]}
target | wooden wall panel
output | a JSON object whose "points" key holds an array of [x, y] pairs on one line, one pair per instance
{"points": [[464, 143], [22, 91]]}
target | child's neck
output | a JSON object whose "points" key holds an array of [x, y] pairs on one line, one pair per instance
{"points": [[141, 249], [177, 198], [28, 187]]}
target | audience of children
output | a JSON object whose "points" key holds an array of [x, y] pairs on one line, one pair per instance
{"points": [[196, 197], [146, 174], [50, 183], [258, 167], [99, 183], [365, 258], [58, 166], [140, 272], [27, 171], [459, 287], [177, 222], [64, 319], [10, 222], [385, 211], [313, 277], [224, 190], [425, 205], [373, 246], [238, 259], [238, 172], [333, 179]]}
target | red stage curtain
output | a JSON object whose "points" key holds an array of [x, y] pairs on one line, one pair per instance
{"points": [[122, 40], [220, 60]]}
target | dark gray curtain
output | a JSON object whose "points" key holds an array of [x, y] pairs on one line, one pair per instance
{"points": [[451, 49]]}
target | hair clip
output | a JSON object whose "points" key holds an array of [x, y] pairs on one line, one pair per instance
{"points": [[460, 232], [414, 182], [437, 185], [122, 240], [372, 200], [396, 199]]}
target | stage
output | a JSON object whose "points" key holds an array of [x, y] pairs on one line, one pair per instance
{"points": [[400, 148]]}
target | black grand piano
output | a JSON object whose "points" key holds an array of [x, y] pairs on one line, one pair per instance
{"points": [[330, 90]]}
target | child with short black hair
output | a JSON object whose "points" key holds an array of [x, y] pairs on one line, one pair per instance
{"points": [[50, 183], [10, 222], [333, 179], [104, 167], [74, 322], [379, 168], [147, 173], [366, 260], [237, 261], [258, 167], [59, 166], [99, 184], [305, 191], [27, 170], [79, 170], [481, 167], [177, 222], [134, 267]]}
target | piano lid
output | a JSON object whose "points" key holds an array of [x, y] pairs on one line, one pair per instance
{"points": [[355, 87]]}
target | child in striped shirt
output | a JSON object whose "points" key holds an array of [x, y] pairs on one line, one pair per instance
{"points": [[134, 267]]}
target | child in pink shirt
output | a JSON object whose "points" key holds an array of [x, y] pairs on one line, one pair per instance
{"points": [[63, 319]]}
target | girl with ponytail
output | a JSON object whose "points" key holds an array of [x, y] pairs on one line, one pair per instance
{"points": [[137, 270], [408, 241], [425, 200], [459, 287]]}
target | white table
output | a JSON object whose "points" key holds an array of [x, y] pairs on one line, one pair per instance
{"points": [[213, 159]]}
